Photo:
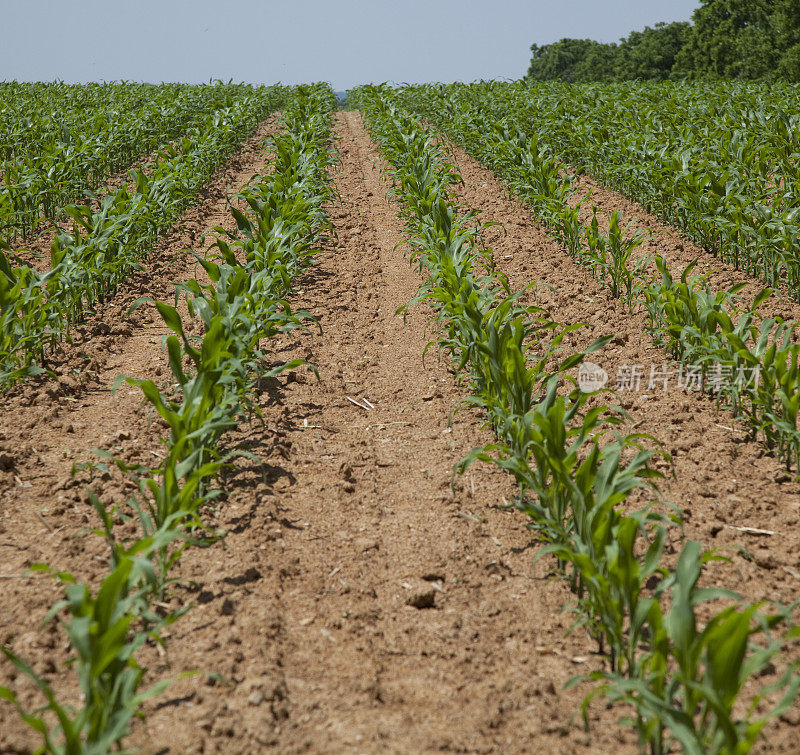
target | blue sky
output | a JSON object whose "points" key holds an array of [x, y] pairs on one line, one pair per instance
{"points": [[346, 43]]}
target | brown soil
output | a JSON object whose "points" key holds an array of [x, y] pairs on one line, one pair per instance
{"points": [[359, 602]]}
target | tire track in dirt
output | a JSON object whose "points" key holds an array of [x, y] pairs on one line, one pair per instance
{"points": [[314, 607]]}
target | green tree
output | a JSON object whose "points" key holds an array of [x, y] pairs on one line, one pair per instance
{"points": [[650, 54], [732, 39], [786, 20], [600, 63], [744, 39], [572, 60]]}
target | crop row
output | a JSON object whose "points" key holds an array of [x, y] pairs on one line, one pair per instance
{"points": [[106, 243], [684, 677], [34, 115], [748, 362], [52, 157], [717, 160], [215, 377]]}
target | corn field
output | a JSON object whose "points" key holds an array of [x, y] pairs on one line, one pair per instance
{"points": [[678, 652]]}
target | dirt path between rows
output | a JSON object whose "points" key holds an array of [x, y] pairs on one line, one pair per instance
{"points": [[359, 604], [678, 250]]}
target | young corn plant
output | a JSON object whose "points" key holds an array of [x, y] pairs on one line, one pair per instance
{"points": [[752, 367], [610, 257], [689, 679], [105, 630]]}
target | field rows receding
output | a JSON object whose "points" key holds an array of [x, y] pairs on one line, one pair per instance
{"points": [[721, 480], [352, 521], [310, 630]]}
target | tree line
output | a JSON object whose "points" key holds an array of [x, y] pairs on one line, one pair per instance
{"points": [[732, 39]]}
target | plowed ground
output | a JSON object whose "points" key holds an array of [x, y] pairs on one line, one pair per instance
{"points": [[364, 600]]}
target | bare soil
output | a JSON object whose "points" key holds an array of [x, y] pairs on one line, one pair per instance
{"points": [[363, 600]]}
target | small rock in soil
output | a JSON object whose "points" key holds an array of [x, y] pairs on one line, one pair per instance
{"points": [[765, 559], [347, 472]]}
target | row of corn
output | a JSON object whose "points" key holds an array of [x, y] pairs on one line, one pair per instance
{"points": [[60, 141], [750, 363], [683, 675], [716, 159], [37, 309], [251, 272]]}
